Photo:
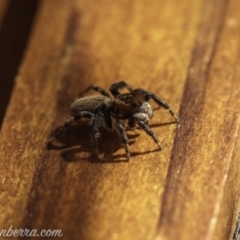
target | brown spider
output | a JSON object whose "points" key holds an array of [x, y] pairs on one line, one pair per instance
{"points": [[103, 111]]}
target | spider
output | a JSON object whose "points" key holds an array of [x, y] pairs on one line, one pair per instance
{"points": [[102, 111]]}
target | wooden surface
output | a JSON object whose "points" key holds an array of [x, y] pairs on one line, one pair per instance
{"points": [[188, 55], [16, 19]]}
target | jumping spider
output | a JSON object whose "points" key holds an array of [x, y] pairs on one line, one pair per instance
{"points": [[103, 111]]}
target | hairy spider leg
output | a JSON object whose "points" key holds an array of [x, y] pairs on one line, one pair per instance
{"points": [[95, 130], [164, 105], [237, 228], [97, 89], [114, 89], [148, 130], [101, 113], [156, 99], [106, 116], [68, 123], [124, 137]]}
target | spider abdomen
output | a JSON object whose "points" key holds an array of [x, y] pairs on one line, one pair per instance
{"points": [[89, 103]]}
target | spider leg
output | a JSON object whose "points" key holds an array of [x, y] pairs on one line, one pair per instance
{"points": [[156, 99], [148, 130], [237, 228], [101, 115], [131, 123], [164, 105], [95, 130], [97, 89], [114, 89], [68, 123], [124, 137], [106, 116]]}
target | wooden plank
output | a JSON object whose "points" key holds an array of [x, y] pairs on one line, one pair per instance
{"points": [[197, 177], [3, 6], [16, 18], [190, 60]]}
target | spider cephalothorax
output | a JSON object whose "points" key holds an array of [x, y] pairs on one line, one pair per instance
{"points": [[132, 107]]}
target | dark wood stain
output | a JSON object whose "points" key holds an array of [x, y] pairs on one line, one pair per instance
{"points": [[14, 32]]}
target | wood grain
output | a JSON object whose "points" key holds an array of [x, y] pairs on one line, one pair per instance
{"points": [[210, 128], [188, 55]]}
